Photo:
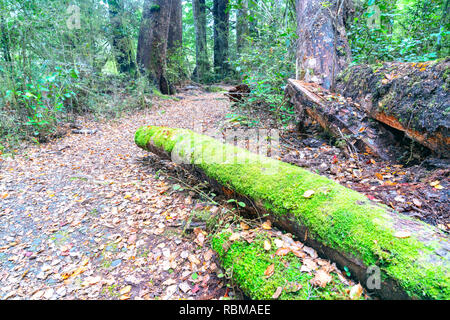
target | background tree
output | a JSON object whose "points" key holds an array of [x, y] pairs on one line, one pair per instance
{"points": [[152, 43], [241, 24], [202, 66], [121, 42], [221, 32], [175, 37]]}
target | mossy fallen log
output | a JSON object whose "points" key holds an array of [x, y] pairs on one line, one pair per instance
{"points": [[341, 224], [265, 271]]}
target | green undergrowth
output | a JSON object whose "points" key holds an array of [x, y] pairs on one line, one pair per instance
{"points": [[246, 263], [336, 216]]}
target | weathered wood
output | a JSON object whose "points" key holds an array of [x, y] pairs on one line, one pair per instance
{"points": [[411, 97], [341, 224], [341, 117]]}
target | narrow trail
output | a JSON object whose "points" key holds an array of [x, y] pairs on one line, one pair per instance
{"points": [[84, 217]]}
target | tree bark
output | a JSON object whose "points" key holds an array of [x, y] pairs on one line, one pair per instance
{"points": [[202, 67], [152, 43], [175, 37], [322, 50], [242, 26], [221, 32], [121, 43]]}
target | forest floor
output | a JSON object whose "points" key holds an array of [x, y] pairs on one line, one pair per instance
{"points": [[92, 216]]}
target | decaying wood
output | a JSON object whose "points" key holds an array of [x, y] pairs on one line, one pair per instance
{"points": [[238, 93], [411, 97], [341, 117]]}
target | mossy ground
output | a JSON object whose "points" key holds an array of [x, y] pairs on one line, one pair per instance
{"points": [[338, 217], [247, 262]]}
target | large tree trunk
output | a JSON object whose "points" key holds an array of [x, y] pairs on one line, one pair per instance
{"points": [[175, 37], [122, 45], [152, 42], [322, 50], [201, 50], [221, 32], [242, 26]]}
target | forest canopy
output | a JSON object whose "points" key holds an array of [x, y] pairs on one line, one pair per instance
{"points": [[63, 57]]}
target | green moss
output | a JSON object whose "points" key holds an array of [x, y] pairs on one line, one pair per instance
{"points": [[247, 262], [338, 217]]}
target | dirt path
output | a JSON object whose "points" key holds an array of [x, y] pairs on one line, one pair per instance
{"points": [[95, 217], [85, 218]]}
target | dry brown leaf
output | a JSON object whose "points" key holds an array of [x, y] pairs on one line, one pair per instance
{"points": [[308, 194], [402, 234], [277, 293], [310, 251], [321, 278], [234, 237], [244, 226], [356, 291], [125, 290], [267, 225], [282, 251], [298, 253], [267, 245], [308, 265], [270, 270]]}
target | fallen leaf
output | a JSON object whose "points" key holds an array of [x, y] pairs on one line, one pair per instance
{"points": [[267, 225], [321, 278], [417, 202], [267, 245], [125, 290], [310, 251], [379, 175], [402, 234], [244, 226], [277, 293], [270, 270], [308, 194], [235, 236], [298, 253], [282, 251], [356, 291], [308, 265]]}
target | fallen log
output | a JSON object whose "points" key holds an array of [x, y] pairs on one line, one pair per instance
{"points": [[411, 256], [341, 117], [271, 265], [411, 97]]}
